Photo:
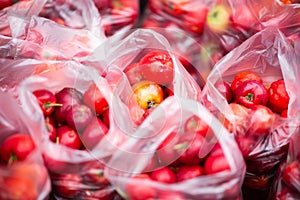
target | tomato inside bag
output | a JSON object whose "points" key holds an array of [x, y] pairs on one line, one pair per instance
{"points": [[143, 70], [262, 133], [21, 164], [216, 26], [76, 157], [156, 157]]}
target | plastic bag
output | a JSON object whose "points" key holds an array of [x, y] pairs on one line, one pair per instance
{"points": [[201, 51], [55, 42], [27, 174], [74, 172], [269, 55], [288, 184], [23, 9], [218, 26], [76, 15], [125, 61], [118, 15], [144, 153]]}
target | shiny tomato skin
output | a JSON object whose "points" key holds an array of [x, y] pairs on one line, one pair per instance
{"points": [[175, 7], [16, 148], [291, 175], [164, 175], [244, 76], [24, 181], [235, 123], [95, 99], [136, 191], [187, 172], [250, 93], [215, 164], [46, 100], [278, 96], [68, 137], [157, 66]]}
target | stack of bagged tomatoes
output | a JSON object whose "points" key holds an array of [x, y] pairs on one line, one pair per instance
{"points": [[219, 26], [254, 98], [139, 115]]}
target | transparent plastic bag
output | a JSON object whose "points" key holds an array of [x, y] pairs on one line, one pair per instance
{"points": [[288, 183], [43, 39], [124, 61], [144, 153], [76, 15], [25, 174], [74, 172], [218, 26], [22, 8], [118, 15], [270, 56]]}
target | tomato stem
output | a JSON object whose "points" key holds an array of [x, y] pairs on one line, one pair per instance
{"points": [[49, 105], [151, 104], [249, 96], [12, 159]]}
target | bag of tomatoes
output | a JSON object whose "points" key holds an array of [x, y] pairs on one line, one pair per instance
{"points": [[22, 172], [252, 90], [76, 15], [183, 24], [79, 131], [219, 26], [181, 152], [143, 71], [44, 39], [118, 15], [289, 185]]}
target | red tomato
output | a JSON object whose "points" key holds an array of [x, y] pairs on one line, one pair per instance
{"points": [[140, 192], [6, 3], [250, 93], [24, 181], [260, 120], [236, 122], [278, 96], [291, 175], [195, 18], [133, 73], [158, 67], [189, 172], [68, 137], [16, 148], [190, 147], [244, 76], [170, 195], [284, 113], [197, 125], [175, 7], [95, 99], [164, 175], [46, 100], [214, 164], [225, 89]]}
